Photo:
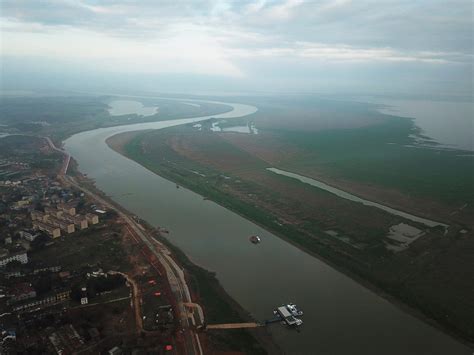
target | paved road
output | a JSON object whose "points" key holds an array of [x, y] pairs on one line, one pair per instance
{"points": [[67, 156]]}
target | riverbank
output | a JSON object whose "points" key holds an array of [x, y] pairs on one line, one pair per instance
{"points": [[206, 290], [219, 307], [340, 260]]}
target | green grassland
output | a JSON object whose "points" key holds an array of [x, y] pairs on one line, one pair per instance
{"points": [[53, 110], [213, 185], [353, 141], [365, 155], [410, 276], [309, 113]]}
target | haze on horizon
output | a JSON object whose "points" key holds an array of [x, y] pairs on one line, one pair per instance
{"points": [[334, 46]]}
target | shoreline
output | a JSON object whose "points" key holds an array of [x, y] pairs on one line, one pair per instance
{"points": [[260, 336], [126, 137]]}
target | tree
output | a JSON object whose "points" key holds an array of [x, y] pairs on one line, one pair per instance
{"points": [[39, 241], [13, 265], [43, 283]]}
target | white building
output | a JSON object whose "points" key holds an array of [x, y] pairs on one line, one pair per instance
{"points": [[20, 256], [28, 236], [84, 299]]}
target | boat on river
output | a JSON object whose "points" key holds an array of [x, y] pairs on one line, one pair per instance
{"points": [[255, 239]]}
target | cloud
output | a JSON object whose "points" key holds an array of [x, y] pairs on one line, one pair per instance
{"points": [[346, 53], [232, 38], [342, 54], [405, 25], [285, 10], [180, 51]]}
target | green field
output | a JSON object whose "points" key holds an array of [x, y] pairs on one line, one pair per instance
{"points": [[379, 155]]}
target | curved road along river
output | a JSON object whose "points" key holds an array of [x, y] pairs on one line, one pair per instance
{"points": [[341, 317]]}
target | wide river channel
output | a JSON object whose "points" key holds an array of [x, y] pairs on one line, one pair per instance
{"points": [[340, 316]]}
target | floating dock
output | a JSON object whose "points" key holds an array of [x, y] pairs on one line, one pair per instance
{"points": [[287, 317]]}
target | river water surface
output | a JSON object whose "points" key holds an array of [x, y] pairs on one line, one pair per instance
{"points": [[340, 316]]}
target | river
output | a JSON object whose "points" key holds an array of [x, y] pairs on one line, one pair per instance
{"points": [[341, 316], [348, 196]]}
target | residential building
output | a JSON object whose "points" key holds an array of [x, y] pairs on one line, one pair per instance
{"points": [[92, 218], [7, 257], [52, 230], [39, 216], [28, 236], [21, 292], [53, 211], [78, 220], [68, 208], [65, 226]]}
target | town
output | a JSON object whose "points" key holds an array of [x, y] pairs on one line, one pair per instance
{"points": [[70, 279]]}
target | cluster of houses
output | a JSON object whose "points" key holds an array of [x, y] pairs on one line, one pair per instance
{"points": [[62, 218], [22, 300], [16, 254], [11, 170], [53, 221], [35, 291]]}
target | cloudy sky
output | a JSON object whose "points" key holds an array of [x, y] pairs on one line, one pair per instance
{"points": [[379, 46]]}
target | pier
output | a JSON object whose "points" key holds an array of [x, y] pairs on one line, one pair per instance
{"points": [[234, 325]]}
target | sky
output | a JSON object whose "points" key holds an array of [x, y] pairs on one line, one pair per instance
{"points": [[358, 46]]}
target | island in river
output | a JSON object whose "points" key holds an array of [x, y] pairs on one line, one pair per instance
{"points": [[407, 259]]}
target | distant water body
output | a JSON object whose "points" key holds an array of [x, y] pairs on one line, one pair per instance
{"points": [[129, 107], [450, 124]]}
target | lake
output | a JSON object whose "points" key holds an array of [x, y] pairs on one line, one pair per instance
{"points": [[451, 124], [129, 107]]}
